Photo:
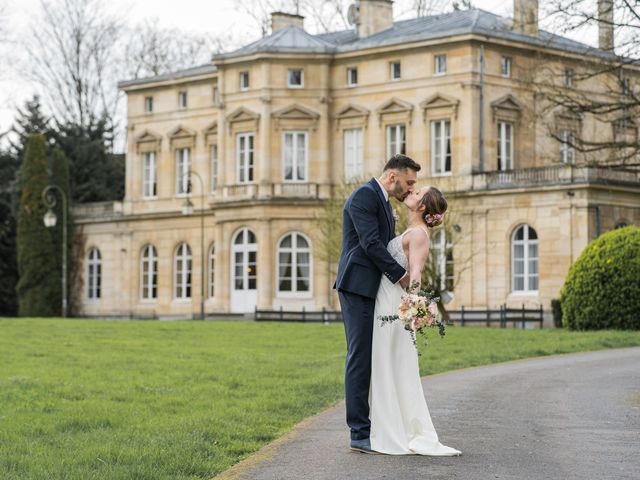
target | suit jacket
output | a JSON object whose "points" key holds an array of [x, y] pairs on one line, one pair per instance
{"points": [[367, 227]]}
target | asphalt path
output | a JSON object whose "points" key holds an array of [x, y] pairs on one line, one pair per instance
{"points": [[561, 417]]}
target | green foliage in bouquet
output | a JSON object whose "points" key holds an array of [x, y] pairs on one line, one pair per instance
{"points": [[602, 289]]}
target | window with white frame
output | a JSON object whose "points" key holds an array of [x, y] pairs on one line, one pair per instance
{"points": [[396, 140], [352, 76], [149, 273], [441, 147], [94, 274], [295, 156], [244, 81], [148, 104], [182, 99], [353, 158], [182, 272], [443, 259], [294, 264], [215, 95], [183, 166], [149, 175], [524, 254], [568, 77], [567, 150], [244, 149], [505, 66], [214, 166], [395, 70], [212, 270], [440, 64], [295, 78], [505, 146]]}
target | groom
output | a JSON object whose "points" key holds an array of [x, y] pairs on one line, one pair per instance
{"points": [[367, 227]]}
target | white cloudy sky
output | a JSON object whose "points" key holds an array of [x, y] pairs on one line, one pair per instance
{"points": [[217, 16]]}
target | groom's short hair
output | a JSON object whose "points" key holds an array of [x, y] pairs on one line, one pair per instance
{"points": [[401, 162]]}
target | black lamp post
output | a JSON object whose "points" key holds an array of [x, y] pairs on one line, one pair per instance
{"points": [[50, 219]]}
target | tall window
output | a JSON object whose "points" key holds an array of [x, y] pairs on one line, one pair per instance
{"points": [[396, 140], [567, 151], [441, 147], [183, 166], [182, 99], [294, 264], [568, 77], [295, 156], [295, 78], [440, 64], [149, 273], [245, 157], [524, 254], [244, 81], [215, 95], [443, 259], [353, 163], [148, 104], [149, 175], [212, 270], [505, 66], [182, 272], [94, 274], [214, 166], [394, 71], [352, 76], [505, 146]]}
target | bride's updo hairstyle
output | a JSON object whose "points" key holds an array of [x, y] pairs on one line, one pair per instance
{"points": [[435, 206]]}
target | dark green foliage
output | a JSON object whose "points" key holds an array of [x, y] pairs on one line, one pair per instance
{"points": [[8, 205], [602, 289], [29, 119], [96, 174], [556, 309], [39, 285]]}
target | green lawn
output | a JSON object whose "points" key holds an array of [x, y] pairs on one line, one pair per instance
{"points": [[82, 399]]}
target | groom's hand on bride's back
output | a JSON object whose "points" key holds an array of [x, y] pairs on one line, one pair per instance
{"points": [[404, 281]]}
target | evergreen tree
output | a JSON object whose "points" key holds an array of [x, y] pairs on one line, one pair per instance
{"points": [[8, 267], [29, 119], [39, 286]]}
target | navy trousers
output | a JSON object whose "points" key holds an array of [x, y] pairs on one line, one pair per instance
{"points": [[357, 313]]}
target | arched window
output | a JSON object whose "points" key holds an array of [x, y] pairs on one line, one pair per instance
{"points": [[149, 273], [94, 274], [212, 270], [182, 272], [524, 263], [294, 264], [442, 255]]}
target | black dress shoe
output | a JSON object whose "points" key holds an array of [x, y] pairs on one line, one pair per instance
{"points": [[363, 446]]}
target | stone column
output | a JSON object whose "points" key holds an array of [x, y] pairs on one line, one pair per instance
{"points": [[264, 174], [265, 264]]}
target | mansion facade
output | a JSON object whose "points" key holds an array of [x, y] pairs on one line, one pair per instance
{"points": [[229, 165]]}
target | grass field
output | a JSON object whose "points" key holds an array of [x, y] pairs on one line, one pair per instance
{"points": [[82, 399]]}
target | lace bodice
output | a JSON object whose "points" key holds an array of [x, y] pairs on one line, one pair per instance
{"points": [[397, 252]]}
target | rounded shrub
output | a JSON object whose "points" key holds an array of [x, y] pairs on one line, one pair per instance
{"points": [[602, 288]]}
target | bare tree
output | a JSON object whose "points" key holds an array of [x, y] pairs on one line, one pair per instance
{"points": [[72, 47], [603, 88]]}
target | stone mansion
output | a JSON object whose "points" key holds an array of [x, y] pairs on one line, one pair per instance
{"points": [[229, 163]]}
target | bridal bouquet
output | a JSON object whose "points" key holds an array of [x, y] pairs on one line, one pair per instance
{"points": [[418, 310]]}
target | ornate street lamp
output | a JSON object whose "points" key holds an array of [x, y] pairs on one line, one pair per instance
{"points": [[187, 209], [50, 219]]}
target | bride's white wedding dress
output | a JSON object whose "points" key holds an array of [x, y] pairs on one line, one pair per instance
{"points": [[400, 419]]}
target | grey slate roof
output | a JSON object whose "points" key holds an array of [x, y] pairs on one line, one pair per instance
{"points": [[188, 72]]}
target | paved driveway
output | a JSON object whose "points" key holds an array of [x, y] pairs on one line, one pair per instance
{"points": [[563, 417]]}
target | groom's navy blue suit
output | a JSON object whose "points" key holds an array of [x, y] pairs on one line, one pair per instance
{"points": [[367, 227]]}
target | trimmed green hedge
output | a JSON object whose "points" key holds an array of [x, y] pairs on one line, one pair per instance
{"points": [[602, 289]]}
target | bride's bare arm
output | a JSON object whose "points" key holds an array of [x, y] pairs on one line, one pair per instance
{"points": [[418, 253]]}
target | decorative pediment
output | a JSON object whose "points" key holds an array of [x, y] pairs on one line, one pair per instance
{"points": [[506, 105], [352, 111], [439, 101], [210, 132], [242, 114], [295, 113], [148, 141], [181, 132], [394, 105]]}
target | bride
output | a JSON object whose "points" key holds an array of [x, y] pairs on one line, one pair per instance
{"points": [[400, 419]]}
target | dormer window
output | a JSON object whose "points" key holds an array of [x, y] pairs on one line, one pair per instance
{"points": [[295, 78], [182, 100], [148, 104], [244, 81], [395, 71], [352, 76]]}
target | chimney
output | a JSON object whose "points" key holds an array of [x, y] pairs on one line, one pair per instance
{"points": [[373, 16], [525, 17], [605, 25], [281, 20]]}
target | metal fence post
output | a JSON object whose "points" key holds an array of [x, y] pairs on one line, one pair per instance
{"points": [[462, 317]]}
